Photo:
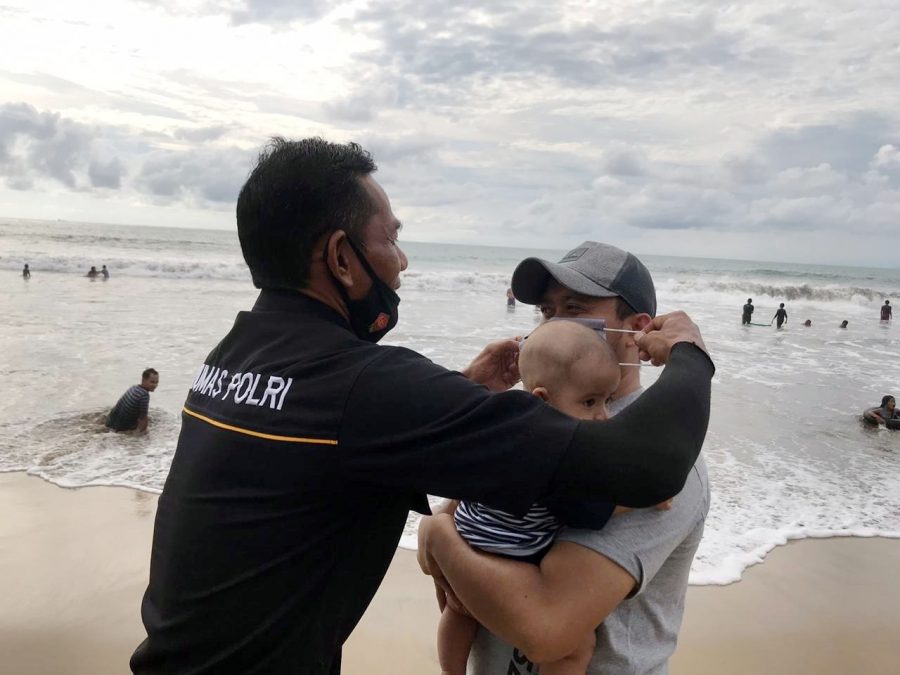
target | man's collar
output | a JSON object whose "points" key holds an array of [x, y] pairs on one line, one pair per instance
{"points": [[295, 302]]}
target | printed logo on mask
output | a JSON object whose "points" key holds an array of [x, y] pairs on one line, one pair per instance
{"points": [[380, 323]]}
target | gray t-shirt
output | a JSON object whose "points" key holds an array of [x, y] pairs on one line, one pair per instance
{"points": [[656, 548]]}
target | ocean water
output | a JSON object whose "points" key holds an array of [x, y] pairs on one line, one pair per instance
{"points": [[788, 456]]}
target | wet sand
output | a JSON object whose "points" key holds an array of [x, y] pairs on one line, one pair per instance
{"points": [[74, 564]]}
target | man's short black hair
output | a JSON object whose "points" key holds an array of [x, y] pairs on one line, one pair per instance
{"points": [[147, 373], [299, 191], [623, 309]]}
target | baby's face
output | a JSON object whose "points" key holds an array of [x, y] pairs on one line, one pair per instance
{"points": [[585, 393]]}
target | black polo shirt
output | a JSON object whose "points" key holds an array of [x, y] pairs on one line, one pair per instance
{"points": [[301, 450]]}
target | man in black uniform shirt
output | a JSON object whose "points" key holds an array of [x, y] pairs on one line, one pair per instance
{"points": [[304, 444]]}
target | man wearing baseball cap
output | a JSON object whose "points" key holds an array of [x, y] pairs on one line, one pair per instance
{"points": [[628, 580]]}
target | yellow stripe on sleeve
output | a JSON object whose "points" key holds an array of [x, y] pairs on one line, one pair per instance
{"points": [[259, 434]]}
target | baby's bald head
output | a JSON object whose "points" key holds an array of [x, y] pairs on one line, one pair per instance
{"points": [[568, 361]]}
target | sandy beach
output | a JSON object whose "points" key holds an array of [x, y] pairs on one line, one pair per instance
{"points": [[74, 564]]}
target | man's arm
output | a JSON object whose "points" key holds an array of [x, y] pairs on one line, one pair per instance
{"points": [[509, 450], [630, 463], [544, 611], [142, 424]]}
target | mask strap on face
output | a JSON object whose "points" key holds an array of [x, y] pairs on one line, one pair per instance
{"points": [[598, 326], [357, 249], [359, 255]]}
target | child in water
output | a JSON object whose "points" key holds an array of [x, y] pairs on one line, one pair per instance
{"points": [[574, 370]]}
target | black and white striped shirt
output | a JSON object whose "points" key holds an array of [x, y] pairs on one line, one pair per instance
{"points": [[496, 531], [129, 409]]}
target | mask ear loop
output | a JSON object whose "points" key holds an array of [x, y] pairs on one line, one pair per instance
{"points": [[598, 326]]}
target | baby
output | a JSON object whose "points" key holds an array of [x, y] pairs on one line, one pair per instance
{"points": [[572, 368]]}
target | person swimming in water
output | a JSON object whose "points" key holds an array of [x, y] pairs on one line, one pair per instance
{"points": [[885, 412], [26, 273]]}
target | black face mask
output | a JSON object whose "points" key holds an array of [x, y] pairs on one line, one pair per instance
{"points": [[374, 315]]}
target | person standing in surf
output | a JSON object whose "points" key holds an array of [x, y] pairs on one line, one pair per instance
{"points": [[748, 313], [780, 317], [886, 312]]}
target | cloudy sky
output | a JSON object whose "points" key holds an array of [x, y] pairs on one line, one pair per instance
{"points": [[763, 130]]}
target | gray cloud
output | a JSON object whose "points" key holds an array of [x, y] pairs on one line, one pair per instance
{"points": [[68, 90], [38, 146], [848, 144], [442, 42], [625, 163], [279, 11], [41, 143], [106, 174], [202, 134], [199, 176], [398, 149]]}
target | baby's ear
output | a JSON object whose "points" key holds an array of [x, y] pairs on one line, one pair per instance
{"points": [[541, 393]]}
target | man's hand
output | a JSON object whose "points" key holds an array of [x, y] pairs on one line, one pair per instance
{"points": [[662, 506], [660, 335], [427, 524], [497, 366], [445, 595]]}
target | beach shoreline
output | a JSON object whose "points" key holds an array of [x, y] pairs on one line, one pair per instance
{"points": [[74, 565]]}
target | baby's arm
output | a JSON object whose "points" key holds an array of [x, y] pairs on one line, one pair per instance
{"points": [[456, 633]]}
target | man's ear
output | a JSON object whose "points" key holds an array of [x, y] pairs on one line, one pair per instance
{"points": [[639, 321], [337, 258], [636, 322], [541, 393]]}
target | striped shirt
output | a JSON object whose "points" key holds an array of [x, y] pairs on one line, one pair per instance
{"points": [[496, 531], [129, 409]]}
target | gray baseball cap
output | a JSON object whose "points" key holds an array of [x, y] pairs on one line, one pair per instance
{"points": [[593, 269]]}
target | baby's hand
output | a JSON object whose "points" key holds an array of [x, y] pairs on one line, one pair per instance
{"points": [[662, 506]]}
